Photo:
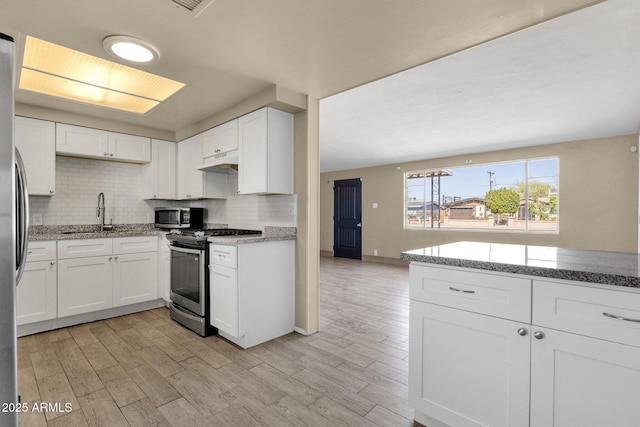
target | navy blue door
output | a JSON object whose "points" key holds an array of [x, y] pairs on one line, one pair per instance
{"points": [[347, 218]]}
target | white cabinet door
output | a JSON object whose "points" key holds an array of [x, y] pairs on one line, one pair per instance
{"points": [[129, 148], [135, 278], [468, 369], [190, 180], [224, 299], [84, 285], [91, 143], [265, 152], [582, 381], [220, 139], [36, 293], [193, 183], [36, 141], [160, 173], [81, 141]]}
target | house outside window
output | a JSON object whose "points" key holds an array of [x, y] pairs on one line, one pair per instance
{"points": [[517, 196]]}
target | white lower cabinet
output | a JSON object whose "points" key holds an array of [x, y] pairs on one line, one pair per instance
{"points": [[570, 365], [84, 285], [135, 278], [224, 299], [252, 291], [470, 370], [36, 293], [583, 381], [96, 274]]}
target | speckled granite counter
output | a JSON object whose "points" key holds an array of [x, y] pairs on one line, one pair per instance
{"points": [[270, 234], [608, 268], [64, 232], [90, 231]]}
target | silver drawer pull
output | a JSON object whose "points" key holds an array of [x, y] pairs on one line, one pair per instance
{"points": [[462, 290], [613, 316]]}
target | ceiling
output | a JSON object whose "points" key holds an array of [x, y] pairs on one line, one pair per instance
{"points": [[572, 78], [235, 49]]}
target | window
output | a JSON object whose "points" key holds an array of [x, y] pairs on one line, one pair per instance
{"points": [[512, 196]]}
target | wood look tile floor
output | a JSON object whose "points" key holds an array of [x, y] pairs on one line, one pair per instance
{"points": [[144, 369]]}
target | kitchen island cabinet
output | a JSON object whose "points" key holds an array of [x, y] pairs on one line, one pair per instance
{"points": [[567, 364], [252, 291]]}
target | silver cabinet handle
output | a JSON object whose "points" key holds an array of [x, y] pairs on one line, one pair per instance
{"points": [[52, 191], [522, 332], [464, 291], [110, 258], [53, 263], [626, 319], [538, 335], [359, 225], [116, 258]]}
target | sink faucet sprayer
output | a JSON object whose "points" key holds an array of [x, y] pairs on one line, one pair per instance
{"points": [[100, 210]]}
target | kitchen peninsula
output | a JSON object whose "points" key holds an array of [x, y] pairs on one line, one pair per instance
{"points": [[513, 335]]}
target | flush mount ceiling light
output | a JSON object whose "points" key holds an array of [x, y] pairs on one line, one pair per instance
{"points": [[131, 49], [58, 71]]}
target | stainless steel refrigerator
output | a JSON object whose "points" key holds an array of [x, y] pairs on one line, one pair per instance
{"points": [[13, 235]]}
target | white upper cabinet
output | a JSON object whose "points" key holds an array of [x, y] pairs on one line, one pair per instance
{"points": [[193, 183], [220, 139], [36, 141], [80, 141], [160, 173], [129, 148], [265, 152]]}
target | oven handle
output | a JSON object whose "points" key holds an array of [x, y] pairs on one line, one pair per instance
{"points": [[185, 250]]}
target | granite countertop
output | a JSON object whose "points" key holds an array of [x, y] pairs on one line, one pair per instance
{"points": [[608, 268], [270, 234], [89, 231], [65, 232]]}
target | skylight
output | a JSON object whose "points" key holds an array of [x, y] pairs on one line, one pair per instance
{"points": [[66, 73]]}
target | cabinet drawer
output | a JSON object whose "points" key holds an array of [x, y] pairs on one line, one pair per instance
{"points": [[224, 255], [41, 250], [79, 248], [137, 244], [581, 310], [485, 293]]}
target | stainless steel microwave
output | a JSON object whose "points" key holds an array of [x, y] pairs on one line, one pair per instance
{"points": [[179, 217]]}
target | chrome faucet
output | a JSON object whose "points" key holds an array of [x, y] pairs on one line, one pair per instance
{"points": [[100, 210]]}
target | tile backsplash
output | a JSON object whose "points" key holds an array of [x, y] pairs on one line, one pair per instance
{"points": [[79, 181]]}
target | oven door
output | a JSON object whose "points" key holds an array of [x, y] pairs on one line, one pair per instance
{"points": [[188, 279]]}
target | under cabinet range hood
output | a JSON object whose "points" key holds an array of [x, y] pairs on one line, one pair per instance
{"points": [[221, 163]]}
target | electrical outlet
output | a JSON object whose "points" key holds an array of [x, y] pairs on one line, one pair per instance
{"points": [[293, 209], [37, 219], [375, 252]]}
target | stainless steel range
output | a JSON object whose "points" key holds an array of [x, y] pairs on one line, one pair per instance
{"points": [[190, 276]]}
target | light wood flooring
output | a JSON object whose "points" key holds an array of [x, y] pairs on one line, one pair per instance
{"points": [[145, 370]]}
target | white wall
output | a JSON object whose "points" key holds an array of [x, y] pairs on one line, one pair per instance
{"points": [[78, 182]]}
